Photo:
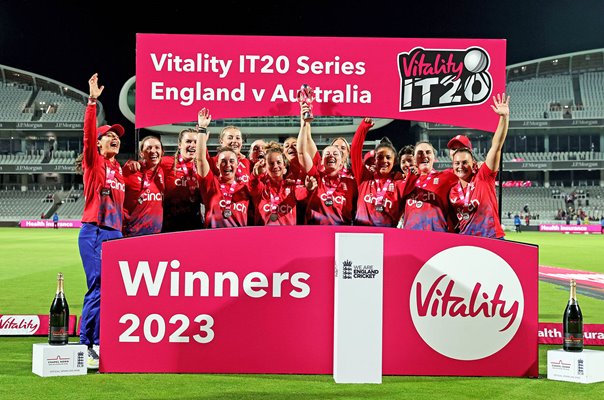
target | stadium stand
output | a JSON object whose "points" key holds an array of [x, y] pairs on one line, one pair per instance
{"points": [[16, 205], [56, 107], [72, 205], [40, 137], [14, 98], [561, 87], [533, 97], [550, 205]]}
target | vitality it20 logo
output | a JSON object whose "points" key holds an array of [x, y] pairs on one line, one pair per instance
{"points": [[443, 78]]}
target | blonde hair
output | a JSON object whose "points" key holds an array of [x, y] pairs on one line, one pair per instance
{"points": [[274, 147], [346, 161], [342, 139], [226, 128], [252, 147]]}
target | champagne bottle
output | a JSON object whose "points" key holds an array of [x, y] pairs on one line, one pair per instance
{"points": [[572, 322], [58, 322]]}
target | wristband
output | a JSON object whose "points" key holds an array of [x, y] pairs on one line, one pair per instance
{"points": [[201, 129]]}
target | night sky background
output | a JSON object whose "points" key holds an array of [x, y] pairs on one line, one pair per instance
{"points": [[68, 40]]}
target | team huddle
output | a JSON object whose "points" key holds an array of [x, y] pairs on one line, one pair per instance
{"points": [[276, 184]]}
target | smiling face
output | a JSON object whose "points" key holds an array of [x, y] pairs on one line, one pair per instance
{"points": [[424, 157], [275, 164], [231, 137], [290, 147], [342, 145], [384, 160], [151, 151], [187, 146], [257, 150], [227, 165], [406, 162], [332, 159], [463, 165], [109, 144]]}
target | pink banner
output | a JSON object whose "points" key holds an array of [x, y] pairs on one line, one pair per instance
{"points": [[516, 183], [570, 228], [29, 325], [551, 333], [447, 81], [46, 223], [261, 300]]}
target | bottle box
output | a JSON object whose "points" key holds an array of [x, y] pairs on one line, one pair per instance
{"points": [[586, 366], [62, 360]]}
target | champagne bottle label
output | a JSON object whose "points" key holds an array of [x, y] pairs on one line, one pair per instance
{"points": [[573, 338], [58, 332]]}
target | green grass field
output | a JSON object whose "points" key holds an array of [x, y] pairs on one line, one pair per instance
{"points": [[31, 258]]}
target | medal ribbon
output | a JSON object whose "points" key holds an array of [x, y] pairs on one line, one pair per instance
{"points": [[274, 199], [227, 194], [191, 176], [466, 200], [145, 184], [465, 197], [330, 189], [381, 192], [423, 183], [240, 168]]}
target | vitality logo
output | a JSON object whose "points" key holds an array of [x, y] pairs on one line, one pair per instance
{"points": [[472, 294], [443, 78]]}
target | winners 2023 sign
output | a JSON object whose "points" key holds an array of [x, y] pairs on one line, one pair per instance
{"points": [[261, 300]]}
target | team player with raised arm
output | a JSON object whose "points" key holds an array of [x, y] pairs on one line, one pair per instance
{"points": [[380, 189], [226, 198], [333, 201], [182, 198], [473, 197], [104, 192]]}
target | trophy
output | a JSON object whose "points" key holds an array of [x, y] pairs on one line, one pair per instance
{"points": [[306, 95]]}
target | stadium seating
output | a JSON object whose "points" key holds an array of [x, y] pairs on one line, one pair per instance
{"points": [[545, 202], [72, 206], [63, 157], [554, 156], [13, 102], [16, 205], [22, 159], [545, 97], [62, 108]]}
